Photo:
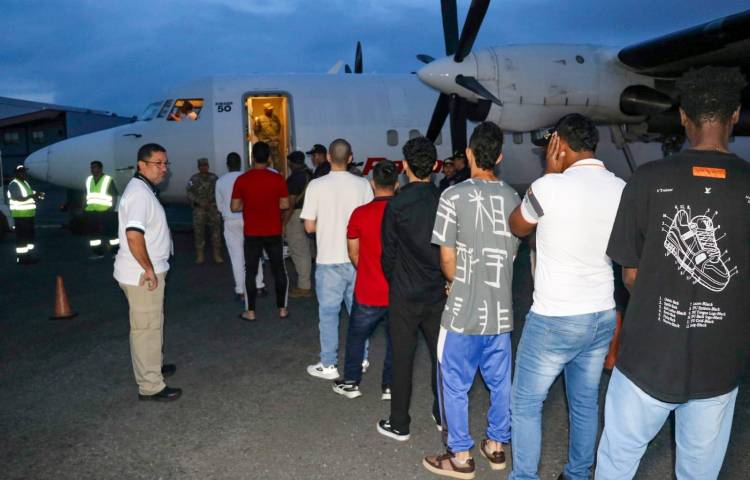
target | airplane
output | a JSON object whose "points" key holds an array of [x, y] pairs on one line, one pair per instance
{"points": [[525, 89]]}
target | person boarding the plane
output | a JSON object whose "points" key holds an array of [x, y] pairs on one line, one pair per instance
{"points": [[261, 195], [141, 269], [233, 228], [572, 319], [100, 198], [200, 194], [22, 199], [682, 236]]}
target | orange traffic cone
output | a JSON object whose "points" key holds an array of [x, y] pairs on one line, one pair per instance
{"points": [[62, 307], [614, 346]]}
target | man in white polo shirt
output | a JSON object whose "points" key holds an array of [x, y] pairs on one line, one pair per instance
{"points": [[571, 322], [329, 202], [141, 268]]}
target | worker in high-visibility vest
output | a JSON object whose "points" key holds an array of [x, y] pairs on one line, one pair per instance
{"points": [[100, 198], [22, 199]]}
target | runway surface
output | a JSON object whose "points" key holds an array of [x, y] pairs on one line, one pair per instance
{"points": [[69, 407]]}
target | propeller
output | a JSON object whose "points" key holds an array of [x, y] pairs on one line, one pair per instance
{"points": [[358, 58], [459, 47]]}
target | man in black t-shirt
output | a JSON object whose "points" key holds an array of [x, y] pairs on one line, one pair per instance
{"points": [[682, 236], [296, 238]]}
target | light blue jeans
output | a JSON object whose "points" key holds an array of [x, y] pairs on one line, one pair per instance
{"points": [[333, 284], [575, 345], [632, 418]]}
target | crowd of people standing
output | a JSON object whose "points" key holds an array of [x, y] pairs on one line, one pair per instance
{"points": [[440, 261]]}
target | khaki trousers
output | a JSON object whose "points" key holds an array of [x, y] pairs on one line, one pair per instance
{"points": [[299, 249], [147, 334]]}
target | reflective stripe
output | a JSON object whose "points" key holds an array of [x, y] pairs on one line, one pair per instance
{"points": [[30, 246], [22, 208], [114, 242], [22, 250], [97, 199], [95, 243]]}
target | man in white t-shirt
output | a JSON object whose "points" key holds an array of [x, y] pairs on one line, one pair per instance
{"points": [[329, 202], [571, 322], [233, 227], [141, 268]]}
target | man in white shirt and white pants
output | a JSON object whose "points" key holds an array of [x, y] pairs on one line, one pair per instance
{"points": [[233, 226], [141, 269], [571, 322]]}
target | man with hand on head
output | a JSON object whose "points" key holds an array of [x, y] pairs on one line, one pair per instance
{"points": [[571, 322], [141, 269]]}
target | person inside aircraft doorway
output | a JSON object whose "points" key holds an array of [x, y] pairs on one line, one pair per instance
{"points": [[100, 196], [267, 128]]}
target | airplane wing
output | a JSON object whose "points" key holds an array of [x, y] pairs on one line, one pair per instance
{"points": [[725, 41]]}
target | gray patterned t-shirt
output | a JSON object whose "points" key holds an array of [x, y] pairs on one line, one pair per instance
{"points": [[473, 217]]}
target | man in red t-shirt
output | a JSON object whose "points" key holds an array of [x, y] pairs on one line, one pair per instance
{"points": [[261, 194], [370, 287]]}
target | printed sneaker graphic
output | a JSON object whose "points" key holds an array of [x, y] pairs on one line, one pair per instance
{"points": [[692, 242]]}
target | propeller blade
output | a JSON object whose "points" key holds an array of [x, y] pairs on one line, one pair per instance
{"points": [[347, 68], [425, 58], [458, 123], [358, 59], [450, 25], [474, 18], [471, 83], [442, 109]]}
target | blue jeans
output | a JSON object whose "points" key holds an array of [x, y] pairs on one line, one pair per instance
{"points": [[459, 357], [632, 418], [362, 322], [333, 284], [575, 345]]}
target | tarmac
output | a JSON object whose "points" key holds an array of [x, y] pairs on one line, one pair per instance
{"points": [[69, 407]]}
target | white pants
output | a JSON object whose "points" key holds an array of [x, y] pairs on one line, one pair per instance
{"points": [[235, 238]]}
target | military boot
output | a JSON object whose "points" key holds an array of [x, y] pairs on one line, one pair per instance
{"points": [[199, 257]]}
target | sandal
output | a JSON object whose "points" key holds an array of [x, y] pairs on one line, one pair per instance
{"points": [[496, 458], [444, 465], [247, 319]]}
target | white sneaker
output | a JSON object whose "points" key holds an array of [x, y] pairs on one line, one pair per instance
{"points": [[348, 389], [321, 371], [365, 365]]}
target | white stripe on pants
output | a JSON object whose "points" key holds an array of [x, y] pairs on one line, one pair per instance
{"points": [[235, 238]]}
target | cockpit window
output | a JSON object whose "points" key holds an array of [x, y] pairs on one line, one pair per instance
{"points": [[186, 109], [150, 111], [165, 109]]}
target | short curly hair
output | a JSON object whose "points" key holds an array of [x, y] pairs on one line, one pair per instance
{"points": [[420, 154], [710, 94], [487, 143], [579, 131]]}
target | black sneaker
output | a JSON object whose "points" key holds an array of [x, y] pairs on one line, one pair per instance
{"points": [[347, 388], [384, 428]]}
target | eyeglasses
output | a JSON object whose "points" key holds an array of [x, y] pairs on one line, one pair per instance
{"points": [[160, 164]]}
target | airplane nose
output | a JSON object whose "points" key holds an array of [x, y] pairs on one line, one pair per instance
{"points": [[441, 75], [38, 164]]}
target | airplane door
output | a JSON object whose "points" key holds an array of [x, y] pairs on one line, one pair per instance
{"points": [[269, 119]]}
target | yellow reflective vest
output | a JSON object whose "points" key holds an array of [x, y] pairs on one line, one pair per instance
{"points": [[22, 208], [97, 198]]}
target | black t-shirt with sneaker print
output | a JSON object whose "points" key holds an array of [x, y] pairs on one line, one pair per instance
{"points": [[684, 223]]}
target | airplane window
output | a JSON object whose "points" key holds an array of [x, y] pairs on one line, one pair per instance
{"points": [[413, 134], [186, 109], [518, 138], [165, 109], [391, 137], [150, 111]]}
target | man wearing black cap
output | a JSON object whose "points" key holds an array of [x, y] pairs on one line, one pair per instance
{"points": [[449, 172], [296, 238], [319, 161], [22, 199], [463, 172]]}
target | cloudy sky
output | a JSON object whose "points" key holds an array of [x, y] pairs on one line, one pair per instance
{"points": [[118, 55]]}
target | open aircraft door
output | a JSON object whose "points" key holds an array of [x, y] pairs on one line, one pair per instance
{"points": [[269, 119]]}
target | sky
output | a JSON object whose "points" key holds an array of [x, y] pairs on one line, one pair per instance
{"points": [[119, 55]]}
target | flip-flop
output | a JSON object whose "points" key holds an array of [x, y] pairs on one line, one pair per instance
{"points": [[243, 317], [284, 317]]}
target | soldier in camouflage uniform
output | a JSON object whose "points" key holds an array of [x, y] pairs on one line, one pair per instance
{"points": [[200, 194], [268, 129]]}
